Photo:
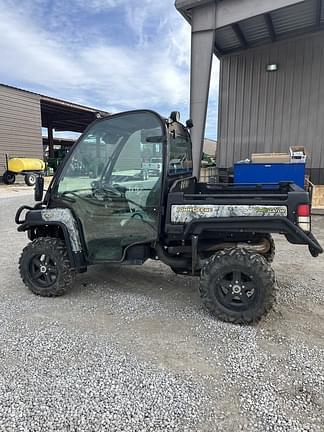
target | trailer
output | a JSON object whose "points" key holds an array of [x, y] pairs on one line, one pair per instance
{"points": [[27, 167]]}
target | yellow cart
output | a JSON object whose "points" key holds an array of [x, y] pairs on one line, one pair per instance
{"points": [[27, 167]]}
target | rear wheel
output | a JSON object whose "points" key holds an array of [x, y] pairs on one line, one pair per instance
{"points": [[237, 286], [45, 267], [30, 179], [8, 178]]}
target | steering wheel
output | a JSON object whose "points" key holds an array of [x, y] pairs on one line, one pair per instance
{"points": [[137, 215], [102, 188], [113, 189]]}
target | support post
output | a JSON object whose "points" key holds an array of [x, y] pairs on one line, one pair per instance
{"points": [[202, 49], [50, 141]]}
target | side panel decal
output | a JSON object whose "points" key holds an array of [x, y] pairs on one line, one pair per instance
{"points": [[186, 213]]}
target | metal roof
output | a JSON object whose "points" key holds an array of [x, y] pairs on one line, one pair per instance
{"points": [[301, 18], [56, 100], [185, 4], [63, 115]]}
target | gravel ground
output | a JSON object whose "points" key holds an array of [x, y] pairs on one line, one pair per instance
{"points": [[132, 349]]}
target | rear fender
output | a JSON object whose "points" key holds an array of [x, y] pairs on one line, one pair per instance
{"points": [[282, 225]]}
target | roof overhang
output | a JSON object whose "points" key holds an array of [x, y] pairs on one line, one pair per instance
{"points": [[63, 115], [243, 24]]}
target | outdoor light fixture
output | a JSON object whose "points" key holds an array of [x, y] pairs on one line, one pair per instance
{"points": [[272, 67]]}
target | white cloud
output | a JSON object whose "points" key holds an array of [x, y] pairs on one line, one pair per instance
{"points": [[128, 77], [120, 75], [93, 6], [152, 73], [29, 55]]}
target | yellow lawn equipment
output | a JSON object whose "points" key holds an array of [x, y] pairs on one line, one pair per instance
{"points": [[28, 167]]}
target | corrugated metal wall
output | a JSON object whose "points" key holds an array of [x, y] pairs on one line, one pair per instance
{"points": [[20, 125], [263, 111]]}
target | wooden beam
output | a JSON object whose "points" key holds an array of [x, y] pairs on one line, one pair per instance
{"points": [[270, 26], [318, 12], [239, 34]]}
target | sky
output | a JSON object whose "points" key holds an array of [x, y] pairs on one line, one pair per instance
{"points": [[113, 55]]}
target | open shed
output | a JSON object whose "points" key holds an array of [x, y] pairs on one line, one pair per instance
{"points": [[24, 113]]}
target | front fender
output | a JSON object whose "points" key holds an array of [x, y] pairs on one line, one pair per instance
{"points": [[61, 217]]}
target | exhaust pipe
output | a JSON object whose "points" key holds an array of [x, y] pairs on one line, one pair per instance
{"points": [[174, 261], [171, 261]]}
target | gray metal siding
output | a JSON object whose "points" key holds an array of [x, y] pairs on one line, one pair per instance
{"points": [[268, 112], [20, 125]]}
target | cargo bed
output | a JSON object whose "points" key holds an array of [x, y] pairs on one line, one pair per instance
{"points": [[216, 209]]}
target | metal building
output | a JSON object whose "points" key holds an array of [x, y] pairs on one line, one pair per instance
{"points": [[271, 93], [23, 114]]}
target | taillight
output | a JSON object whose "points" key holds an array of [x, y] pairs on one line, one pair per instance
{"points": [[303, 213], [303, 210]]}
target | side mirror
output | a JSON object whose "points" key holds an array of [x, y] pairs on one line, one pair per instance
{"points": [[189, 124], [39, 188]]}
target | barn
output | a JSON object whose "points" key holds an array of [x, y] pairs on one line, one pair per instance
{"points": [[23, 114]]}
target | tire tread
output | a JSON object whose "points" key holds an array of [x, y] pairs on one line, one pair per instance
{"points": [[61, 257], [259, 264]]}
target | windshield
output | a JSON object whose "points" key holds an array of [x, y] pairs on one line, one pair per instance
{"points": [[114, 150]]}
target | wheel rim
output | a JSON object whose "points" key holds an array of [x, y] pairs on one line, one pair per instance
{"points": [[43, 270], [32, 179], [236, 289]]}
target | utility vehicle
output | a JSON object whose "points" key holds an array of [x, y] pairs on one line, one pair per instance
{"points": [[219, 232]]}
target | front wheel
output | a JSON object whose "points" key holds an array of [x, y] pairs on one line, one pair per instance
{"points": [[30, 179], [237, 286], [45, 267]]}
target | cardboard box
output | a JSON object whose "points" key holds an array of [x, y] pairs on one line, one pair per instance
{"points": [[318, 197], [270, 158], [298, 154]]}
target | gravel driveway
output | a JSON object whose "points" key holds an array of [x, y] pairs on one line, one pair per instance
{"points": [[131, 349]]}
